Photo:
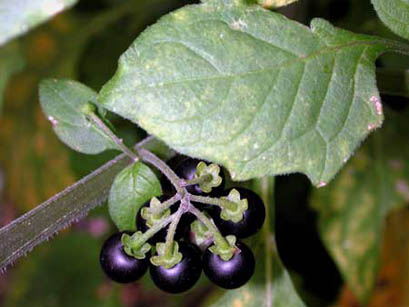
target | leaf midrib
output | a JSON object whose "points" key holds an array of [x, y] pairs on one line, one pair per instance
{"points": [[287, 63]]}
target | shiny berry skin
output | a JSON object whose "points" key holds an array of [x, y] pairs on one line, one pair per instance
{"points": [[117, 265], [185, 168], [183, 275], [233, 273], [253, 217]]}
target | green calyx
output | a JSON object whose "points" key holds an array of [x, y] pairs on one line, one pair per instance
{"points": [[233, 207], [164, 259], [210, 174], [201, 233], [152, 214], [225, 252], [134, 245]]}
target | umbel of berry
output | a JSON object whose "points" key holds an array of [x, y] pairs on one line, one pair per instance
{"points": [[118, 265], [183, 275], [233, 273], [253, 217]]}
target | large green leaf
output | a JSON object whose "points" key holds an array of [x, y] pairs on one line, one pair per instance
{"points": [[250, 89], [132, 187], [11, 61], [353, 207], [395, 14], [19, 16], [64, 102], [271, 284]]}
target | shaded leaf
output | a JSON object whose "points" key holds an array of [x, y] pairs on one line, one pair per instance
{"points": [[251, 90], [392, 287], [11, 61], [19, 16], [64, 103], [132, 187], [353, 207], [271, 284], [395, 14]]}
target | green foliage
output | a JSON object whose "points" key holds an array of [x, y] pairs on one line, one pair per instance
{"points": [[250, 89], [64, 274], [132, 187], [66, 104], [353, 207], [395, 14], [19, 16], [11, 61]]}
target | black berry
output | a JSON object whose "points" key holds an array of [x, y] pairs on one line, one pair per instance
{"points": [[117, 265], [253, 217], [183, 275], [233, 273]]}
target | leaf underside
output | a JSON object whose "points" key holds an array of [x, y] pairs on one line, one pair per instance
{"points": [[251, 90], [63, 102], [353, 207], [395, 14]]}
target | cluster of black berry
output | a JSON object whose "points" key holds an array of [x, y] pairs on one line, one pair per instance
{"points": [[195, 240]]}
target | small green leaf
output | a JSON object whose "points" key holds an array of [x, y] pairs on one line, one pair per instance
{"points": [[250, 89], [395, 14], [19, 16], [65, 103], [11, 61], [353, 207], [132, 187]]}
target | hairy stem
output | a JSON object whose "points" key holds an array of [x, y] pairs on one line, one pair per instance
{"points": [[222, 203], [97, 121], [171, 232], [218, 238], [152, 231], [150, 158]]}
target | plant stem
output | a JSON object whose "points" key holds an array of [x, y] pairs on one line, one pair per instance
{"points": [[167, 204], [222, 203], [198, 180], [152, 231], [149, 157], [218, 238], [97, 121], [172, 230]]}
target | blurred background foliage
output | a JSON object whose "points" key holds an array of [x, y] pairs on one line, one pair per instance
{"points": [[84, 43]]}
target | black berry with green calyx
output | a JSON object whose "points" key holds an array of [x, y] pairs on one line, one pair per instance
{"points": [[182, 276], [252, 220], [185, 168], [118, 265], [233, 273]]}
